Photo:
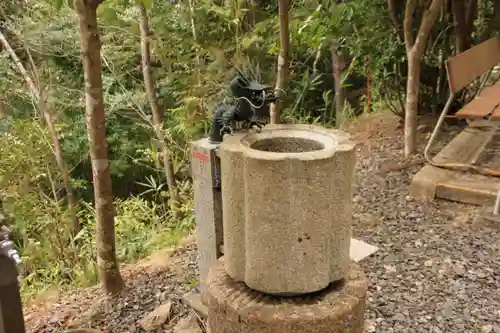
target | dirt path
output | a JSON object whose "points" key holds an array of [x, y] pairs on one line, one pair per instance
{"points": [[435, 271]]}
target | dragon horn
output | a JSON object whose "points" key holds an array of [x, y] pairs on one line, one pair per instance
{"points": [[242, 75]]}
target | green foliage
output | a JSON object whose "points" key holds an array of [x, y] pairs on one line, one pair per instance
{"points": [[51, 257]]}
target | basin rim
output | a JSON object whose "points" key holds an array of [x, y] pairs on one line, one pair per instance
{"points": [[332, 141]]}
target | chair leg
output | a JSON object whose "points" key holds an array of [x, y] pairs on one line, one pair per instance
{"points": [[439, 123]]}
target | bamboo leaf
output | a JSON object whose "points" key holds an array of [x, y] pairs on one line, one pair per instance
{"points": [[58, 4]]}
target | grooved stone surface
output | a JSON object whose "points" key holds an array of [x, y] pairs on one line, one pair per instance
{"points": [[286, 196], [235, 308]]}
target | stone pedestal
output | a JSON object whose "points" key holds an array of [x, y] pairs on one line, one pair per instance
{"points": [[233, 307], [286, 197], [207, 198]]}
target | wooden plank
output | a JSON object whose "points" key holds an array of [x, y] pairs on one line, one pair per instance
{"points": [[471, 64], [431, 182], [473, 114], [483, 106], [491, 91], [465, 147], [479, 191]]}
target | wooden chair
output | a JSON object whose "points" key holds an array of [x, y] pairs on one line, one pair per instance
{"points": [[462, 70]]}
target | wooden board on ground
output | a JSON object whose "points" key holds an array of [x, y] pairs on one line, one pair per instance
{"points": [[432, 182], [467, 188]]}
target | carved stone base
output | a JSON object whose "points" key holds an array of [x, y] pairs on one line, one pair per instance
{"points": [[233, 307]]}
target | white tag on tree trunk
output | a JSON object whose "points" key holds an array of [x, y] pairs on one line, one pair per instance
{"points": [[281, 61]]}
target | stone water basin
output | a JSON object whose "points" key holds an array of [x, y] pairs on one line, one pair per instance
{"points": [[286, 198]]}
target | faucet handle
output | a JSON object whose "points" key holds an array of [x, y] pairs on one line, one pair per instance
{"points": [[7, 246]]}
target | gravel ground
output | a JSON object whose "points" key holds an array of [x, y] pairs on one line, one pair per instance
{"points": [[148, 285], [435, 271]]}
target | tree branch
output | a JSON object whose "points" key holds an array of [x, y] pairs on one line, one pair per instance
{"points": [[31, 85], [428, 20], [36, 93], [393, 15], [408, 24]]}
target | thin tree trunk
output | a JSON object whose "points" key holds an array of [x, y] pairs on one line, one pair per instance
{"points": [[369, 92], [149, 82], [192, 14], [415, 48], [472, 11], [412, 93], [283, 62], [56, 142], [253, 5], [393, 8], [338, 65], [62, 167], [90, 42], [464, 14]]}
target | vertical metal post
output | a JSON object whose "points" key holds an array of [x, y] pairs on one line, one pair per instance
{"points": [[208, 205], [496, 208], [11, 311]]}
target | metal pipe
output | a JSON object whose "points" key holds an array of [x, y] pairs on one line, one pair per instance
{"points": [[496, 208], [11, 311], [438, 127]]}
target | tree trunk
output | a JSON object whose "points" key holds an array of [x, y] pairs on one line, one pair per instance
{"points": [[339, 64], [39, 101], [283, 62], [459, 8], [411, 107], [464, 14], [394, 7], [149, 83], [472, 11], [62, 167], [415, 49], [90, 42]]}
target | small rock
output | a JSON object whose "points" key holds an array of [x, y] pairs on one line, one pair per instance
{"points": [[447, 312], [157, 317], [390, 268], [399, 317], [188, 324], [486, 328], [459, 270], [370, 326], [428, 263]]}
